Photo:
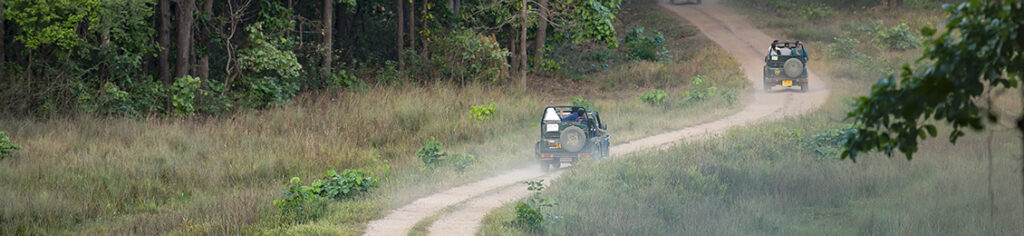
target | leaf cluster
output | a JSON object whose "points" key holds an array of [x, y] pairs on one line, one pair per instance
{"points": [[980, 49], [6, 146]]}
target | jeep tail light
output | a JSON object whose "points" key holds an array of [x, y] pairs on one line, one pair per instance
{"points": [[584, 155], [545, 155]]}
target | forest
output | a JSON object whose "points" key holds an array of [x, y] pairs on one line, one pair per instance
{"points": [[187, 57]]}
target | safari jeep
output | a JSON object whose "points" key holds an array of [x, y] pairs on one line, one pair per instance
{"points": [[569, 133], [786, 65]]}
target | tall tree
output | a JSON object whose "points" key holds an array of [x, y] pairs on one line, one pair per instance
{"points": [[522, 45], [186, 9], [204, 38], [400, 9], [327, 27], [412, 25], [979, 51], [165, 42], [542, 29], [2, 49]]}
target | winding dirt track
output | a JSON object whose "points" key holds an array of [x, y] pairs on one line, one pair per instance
{"points": [[730, 30]]}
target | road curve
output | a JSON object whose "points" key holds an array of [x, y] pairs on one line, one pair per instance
{"points": [[728, 29]]}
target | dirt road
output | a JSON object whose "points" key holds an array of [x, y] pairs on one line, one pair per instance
{"points": [[730, 30]]}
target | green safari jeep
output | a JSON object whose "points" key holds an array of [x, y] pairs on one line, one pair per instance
{"points": [[569, 133]]}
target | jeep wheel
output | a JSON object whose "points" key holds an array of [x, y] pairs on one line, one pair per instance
{"points": [[556, 164], [573, 139], [545, 166], [803, 87], [767, 87]]}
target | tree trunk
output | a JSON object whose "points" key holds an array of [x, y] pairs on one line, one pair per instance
{"points": [[541, 35], [1020, 128], [401, 34], [328, 26], [412, 25], [522, 47], [424, 22], [458, 4], [165, 42], [2, 49], [185, 21], [204, 59]]}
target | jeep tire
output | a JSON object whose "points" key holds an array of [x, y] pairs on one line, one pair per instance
{"points": [[793, 67], [573, 139]]}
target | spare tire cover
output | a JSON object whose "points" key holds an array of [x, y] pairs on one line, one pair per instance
{"points": [[793, 67], [573, 139]]}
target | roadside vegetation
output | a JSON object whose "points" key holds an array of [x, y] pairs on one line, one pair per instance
{"points": [[190, 172], [786, 178]]}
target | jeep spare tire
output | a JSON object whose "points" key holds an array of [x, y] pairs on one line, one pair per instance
{"points": [[793, 67], [573, 139]]}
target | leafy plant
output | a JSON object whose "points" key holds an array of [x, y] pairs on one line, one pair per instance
{"points": [[654, 97], [843, 47], [644, 47], [347, 184], [461, 161], [817, 12], [430, 154], [898, 37], [343, 79], [482, 112], [829, 143], [183, 94], [579, 101], [529, 213], [297, 195], [699, 91], [6, 146]]}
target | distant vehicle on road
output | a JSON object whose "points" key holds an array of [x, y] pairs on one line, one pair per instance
{"points": [[785, 65], [569, 133]]}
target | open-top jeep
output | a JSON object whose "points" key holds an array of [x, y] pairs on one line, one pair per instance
{"points": [[569, 133], [786, 65]]}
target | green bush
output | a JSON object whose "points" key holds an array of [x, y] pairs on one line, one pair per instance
{"points": [[347, 184], [579, 101], [828, 144], [699, 91], [529, 215], [343, 79], [654, 97], [843, 47], [482, 112], [6, 146], [299, 198], [115, 101], [817, 13], [644, 47], [183, 94], [430, 154], [898, 37], [466, 55]]}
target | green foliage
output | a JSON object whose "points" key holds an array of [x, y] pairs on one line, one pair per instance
{"points": [[578, 101], [898, 37], [430, 154], [465, 55], [829, 143], [183, 94], [482, 112], [644, 47], [461, 161], [591, 20], [843, 47], [817, 12], [43, 22], [979, 51], [654, 97], [529, 212], [343, 79], [6, 146], [299, 198], [272, 68], [699, 91], [115, 100], [347, 184]]}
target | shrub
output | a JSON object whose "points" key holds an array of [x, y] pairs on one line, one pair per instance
{"points": [[481, 112], [898, 37], [342, 79], [115, 101], [699, 91], [644, 47], [465, 55], [828, 144], [654, 97], [528, 214], [843, 47], [183, 93], [817, 13], [578, 101], [297, 196], [347, 184], [430, 154], [6, 146]]}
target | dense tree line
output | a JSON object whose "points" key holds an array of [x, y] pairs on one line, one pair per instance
{"points": [[139, 57]]}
